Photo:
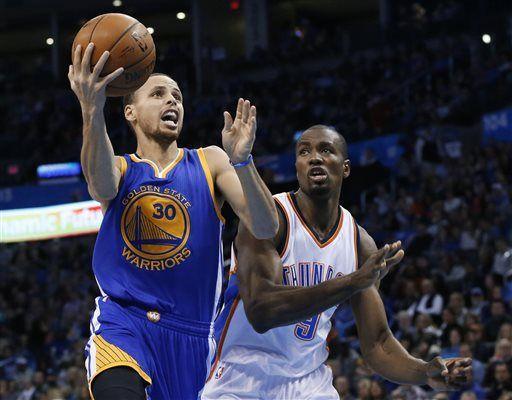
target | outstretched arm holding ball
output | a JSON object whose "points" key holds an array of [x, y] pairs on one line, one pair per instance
{"points": [[102, 169]]}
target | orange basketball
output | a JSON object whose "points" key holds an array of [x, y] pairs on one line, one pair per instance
{"points": [[130, 45]]}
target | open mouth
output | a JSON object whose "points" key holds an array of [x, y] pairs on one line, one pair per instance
{"points": [[170, 119], [317, 175]]}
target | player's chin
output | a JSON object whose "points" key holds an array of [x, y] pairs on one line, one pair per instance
{"points": [[170, 130]]}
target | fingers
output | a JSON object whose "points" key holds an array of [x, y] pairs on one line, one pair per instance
{"points": [[76, 58], [394, 260], [113, 75], [381, 253], [228, 121], [99, 65], [252, 118], [239, 108], [86, 60], [245, 111]]}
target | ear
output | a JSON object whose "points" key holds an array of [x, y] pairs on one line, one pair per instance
{"points": [[346, 169], [130, 113]]}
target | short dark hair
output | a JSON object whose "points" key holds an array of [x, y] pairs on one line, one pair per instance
{"points": [[344, 146], [130, 97]]}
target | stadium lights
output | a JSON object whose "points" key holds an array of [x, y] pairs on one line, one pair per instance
{"points": [[486, 38], [181, 15], [151, 30], [50, 41], [117, 3]]}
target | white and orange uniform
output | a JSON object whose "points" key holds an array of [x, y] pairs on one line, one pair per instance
{"points": [[285, 362]]}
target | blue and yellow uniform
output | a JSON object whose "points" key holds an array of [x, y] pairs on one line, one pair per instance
{"points": [[158, 263]]}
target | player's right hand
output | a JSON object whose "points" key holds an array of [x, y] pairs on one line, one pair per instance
{"points": [[89, 87], [378, 265]]}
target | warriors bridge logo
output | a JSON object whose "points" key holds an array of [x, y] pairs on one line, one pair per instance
{"points": [[155, 226]]}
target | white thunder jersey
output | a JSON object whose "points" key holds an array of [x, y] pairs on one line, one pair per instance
{"points": [[298, 349]]}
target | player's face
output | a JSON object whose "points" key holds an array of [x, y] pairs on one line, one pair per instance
{"points": [[158, 108], [320, 164]]}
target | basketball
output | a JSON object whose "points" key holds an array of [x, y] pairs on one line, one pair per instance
{"points": [[130, 45]]}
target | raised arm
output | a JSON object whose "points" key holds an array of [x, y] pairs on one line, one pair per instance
{"points": [[102, 169], [386, 356], [241, 186], [269, 304]]}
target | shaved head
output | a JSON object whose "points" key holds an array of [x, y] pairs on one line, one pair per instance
{"points": [[340, 140]]}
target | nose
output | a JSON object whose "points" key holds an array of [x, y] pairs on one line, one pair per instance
{"points": [[315, 158], [171, 100]]}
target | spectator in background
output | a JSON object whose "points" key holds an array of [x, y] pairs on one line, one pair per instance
{"points": [[342, 386], [502, 351], [498, 317], [457, 307], [430, 303], [364, 389], [468, 395], [477, 301], [498, 380], [452, 349]]}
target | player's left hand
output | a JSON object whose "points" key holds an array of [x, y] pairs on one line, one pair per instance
{"points": [[450, 373], [238, 135]]}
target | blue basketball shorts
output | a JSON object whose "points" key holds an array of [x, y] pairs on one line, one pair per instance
{"points": [[171, 354]]}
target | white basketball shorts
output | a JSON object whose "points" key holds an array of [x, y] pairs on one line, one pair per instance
{"points": [[235, 381]]}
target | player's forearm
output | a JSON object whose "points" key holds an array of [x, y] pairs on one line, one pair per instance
{"points": [[279, 305], [97, 156], [389, 359], [263, 220]]}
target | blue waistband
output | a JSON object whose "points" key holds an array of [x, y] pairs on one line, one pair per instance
{"points": [[168, 320]]}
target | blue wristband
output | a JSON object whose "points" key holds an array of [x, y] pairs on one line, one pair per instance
{"points": [[243, 163]]}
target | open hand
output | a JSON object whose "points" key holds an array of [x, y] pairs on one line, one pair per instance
{"points": [[378, 265], [238, 135], [449, 374], [89, 88]]}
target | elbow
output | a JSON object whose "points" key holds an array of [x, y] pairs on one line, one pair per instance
{"points": [[258, 316], [102, 195]]}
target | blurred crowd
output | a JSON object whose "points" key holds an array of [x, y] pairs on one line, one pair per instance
{"points": [[386, 89], [452, 294]]}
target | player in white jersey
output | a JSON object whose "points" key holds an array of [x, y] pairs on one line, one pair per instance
{"points": [[283, 292]]}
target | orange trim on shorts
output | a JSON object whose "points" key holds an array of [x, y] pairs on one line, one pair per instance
{"points": [[209, 179], [320, 244], [109, 356], [223, 336], [283, 209]]}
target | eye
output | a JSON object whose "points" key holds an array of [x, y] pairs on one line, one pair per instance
{"points": [[327, 151], [157, 93], [177, 96], [303, 151]]}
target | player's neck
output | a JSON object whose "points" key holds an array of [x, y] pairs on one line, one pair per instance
{"points": [[162, 154], [321, 213]]}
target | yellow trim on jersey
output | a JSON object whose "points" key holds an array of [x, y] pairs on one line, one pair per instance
{"points": [[209, 178], [166, 170], [109, 356], [124, 166], [151, 163]]}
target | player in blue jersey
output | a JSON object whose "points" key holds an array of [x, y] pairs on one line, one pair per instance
{"points": [[158, 256]]}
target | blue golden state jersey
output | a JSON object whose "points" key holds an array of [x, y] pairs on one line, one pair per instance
{"points": [[159, 246]]}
